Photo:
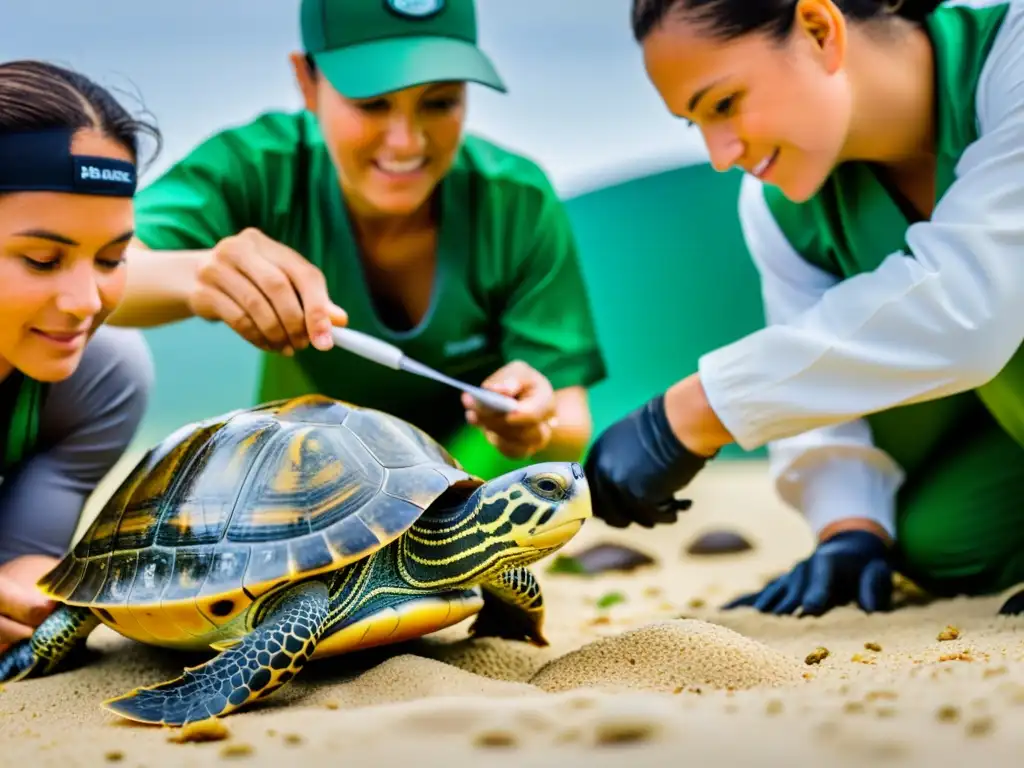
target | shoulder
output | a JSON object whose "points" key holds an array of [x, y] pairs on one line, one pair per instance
{"points": [[268, 134], [497, 170], [1000, 91], [117, 359]]}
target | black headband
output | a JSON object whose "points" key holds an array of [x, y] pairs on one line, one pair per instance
{"points": [[41, 161]]}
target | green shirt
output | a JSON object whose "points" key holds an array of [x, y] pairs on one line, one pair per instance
{"points": [[21, 401], [508, 283]]}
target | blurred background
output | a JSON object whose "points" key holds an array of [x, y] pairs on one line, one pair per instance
{"points": [[657, 228]]}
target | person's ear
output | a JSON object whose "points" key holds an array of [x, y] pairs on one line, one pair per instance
{"points": [[823, 25], [306, 78]]}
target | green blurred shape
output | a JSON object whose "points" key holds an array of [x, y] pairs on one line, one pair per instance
{"points": [[670, 278]]}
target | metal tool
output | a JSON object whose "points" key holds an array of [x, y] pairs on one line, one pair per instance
{"points": [[391, 356]]}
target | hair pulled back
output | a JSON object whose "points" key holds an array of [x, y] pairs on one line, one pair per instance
{"points": [[35, 95], [729, 19]]}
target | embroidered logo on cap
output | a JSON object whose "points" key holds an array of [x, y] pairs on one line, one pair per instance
{"points": [[417, 9]]}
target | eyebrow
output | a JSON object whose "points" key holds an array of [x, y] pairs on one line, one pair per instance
{"points": [[695, 99], [44, 234]]}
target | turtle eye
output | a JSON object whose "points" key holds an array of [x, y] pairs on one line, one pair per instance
{"points": [[549, 487]]}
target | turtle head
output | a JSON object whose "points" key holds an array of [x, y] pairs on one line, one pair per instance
{"points": [[535, 509]]}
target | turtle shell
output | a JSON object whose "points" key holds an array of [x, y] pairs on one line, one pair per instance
{"points": [[240, 503]]}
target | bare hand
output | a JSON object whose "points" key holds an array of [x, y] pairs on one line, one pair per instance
{"points": [[22, 606], [267, 293], [527, 430]]}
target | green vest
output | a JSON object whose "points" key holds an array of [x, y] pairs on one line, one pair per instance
{"points": [[21, 401], [855, 221]]}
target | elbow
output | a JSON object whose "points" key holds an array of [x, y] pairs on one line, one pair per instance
{"points": [[984, 367], [973, 335], [975, 367], [986, 350]]}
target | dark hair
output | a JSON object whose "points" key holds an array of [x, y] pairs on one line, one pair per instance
{"points": [[35, 95], [730, 19]]}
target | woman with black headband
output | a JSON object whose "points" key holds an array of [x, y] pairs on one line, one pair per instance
{"points": [[72, 392]]}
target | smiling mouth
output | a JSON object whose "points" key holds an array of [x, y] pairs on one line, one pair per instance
{"points": [[63, 337], [763, 167], [400, 167]]}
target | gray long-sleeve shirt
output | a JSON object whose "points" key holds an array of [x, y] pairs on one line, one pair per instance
{"points": [[87, 422]]}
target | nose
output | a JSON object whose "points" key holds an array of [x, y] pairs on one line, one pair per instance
{"points": [[724, 147], [405, 134], [79, 294]]}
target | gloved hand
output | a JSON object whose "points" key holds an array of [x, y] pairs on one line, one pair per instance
{"points": [[852, 566], [1014, 604], [636, 466]]}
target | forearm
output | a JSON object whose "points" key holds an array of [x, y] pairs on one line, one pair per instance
{"points": [[692, 418], [567, 443], [573, 427], [838, 479], [158, 287]]}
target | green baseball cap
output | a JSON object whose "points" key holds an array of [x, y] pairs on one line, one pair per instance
{"points": [[366, 48]]}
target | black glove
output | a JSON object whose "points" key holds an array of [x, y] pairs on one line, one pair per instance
{"points": [[1014, 604], [852, 566], [636, 465]]}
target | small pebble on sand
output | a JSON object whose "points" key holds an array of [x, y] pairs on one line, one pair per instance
{"points": [[947, 713], [238, 749], [949, 633], [956, 657], [203, 730], [719, 543], [873, 647], [877, 695], [495, 738], [816, 656], [624, 731], [980, 726]]}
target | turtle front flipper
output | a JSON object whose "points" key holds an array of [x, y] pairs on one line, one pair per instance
{"points": [[513, 608], [267, 658], [52, 643]]}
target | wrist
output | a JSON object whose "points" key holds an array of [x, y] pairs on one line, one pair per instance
{"points": [[854, 524], [692, 420]]}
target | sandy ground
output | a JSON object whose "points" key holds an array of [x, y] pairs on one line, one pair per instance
{"points": [[657, 676]]}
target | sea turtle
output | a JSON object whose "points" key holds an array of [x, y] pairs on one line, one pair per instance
{"points": [[293, 530]]}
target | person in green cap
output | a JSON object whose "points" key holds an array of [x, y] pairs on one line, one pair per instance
{"points": [[371, 208]]}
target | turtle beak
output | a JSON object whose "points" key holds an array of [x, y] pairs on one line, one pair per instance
{"points": [[552, 537], [565, 523]]}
